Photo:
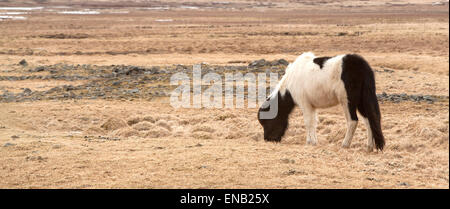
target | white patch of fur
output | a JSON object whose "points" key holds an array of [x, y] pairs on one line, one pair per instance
{"points": [[290, 72], [308, 83], [319, 87]]}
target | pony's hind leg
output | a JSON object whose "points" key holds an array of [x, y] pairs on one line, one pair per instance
{"points": [[352, 122], [370, 140]]}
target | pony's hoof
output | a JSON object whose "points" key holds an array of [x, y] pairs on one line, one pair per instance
{"points": [[310, 142], [345, 146]]}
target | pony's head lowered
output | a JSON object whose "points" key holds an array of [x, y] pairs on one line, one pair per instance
{"points": [[273, 115]]}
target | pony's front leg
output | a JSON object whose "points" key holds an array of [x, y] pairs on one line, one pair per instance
{"points": [[310, 117], [352, 122]]}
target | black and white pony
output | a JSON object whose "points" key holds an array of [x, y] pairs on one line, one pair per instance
{"points": [[319, 82]]}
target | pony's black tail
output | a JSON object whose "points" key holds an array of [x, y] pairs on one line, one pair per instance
{"points": [[369, 106], [372, 110]]}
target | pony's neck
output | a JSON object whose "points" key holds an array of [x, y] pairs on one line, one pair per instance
{"points": [[291, 69], [280, 88]]}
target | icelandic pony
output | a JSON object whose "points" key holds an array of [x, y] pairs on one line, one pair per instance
{"points": [[320, 82]]}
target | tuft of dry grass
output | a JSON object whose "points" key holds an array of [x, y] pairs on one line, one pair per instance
{"points": [[113, 124]]}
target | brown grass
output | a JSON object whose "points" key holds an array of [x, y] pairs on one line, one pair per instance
{"points": [[228, 153]]}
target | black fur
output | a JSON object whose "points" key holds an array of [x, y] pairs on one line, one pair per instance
{"points": [[359, 81], [275, 128], [321, 60]]}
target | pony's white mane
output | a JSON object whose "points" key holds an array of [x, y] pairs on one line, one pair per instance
{"points": [[291, 68]]}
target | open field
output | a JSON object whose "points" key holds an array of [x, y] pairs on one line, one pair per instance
{"points": [[89, 108], [61, 145]]}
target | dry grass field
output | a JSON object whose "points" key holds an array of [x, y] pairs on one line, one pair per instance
{"points": [[79, 131]]}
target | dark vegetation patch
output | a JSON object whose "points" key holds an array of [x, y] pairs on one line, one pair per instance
{"points": [[65, 36], [128, 82]]}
